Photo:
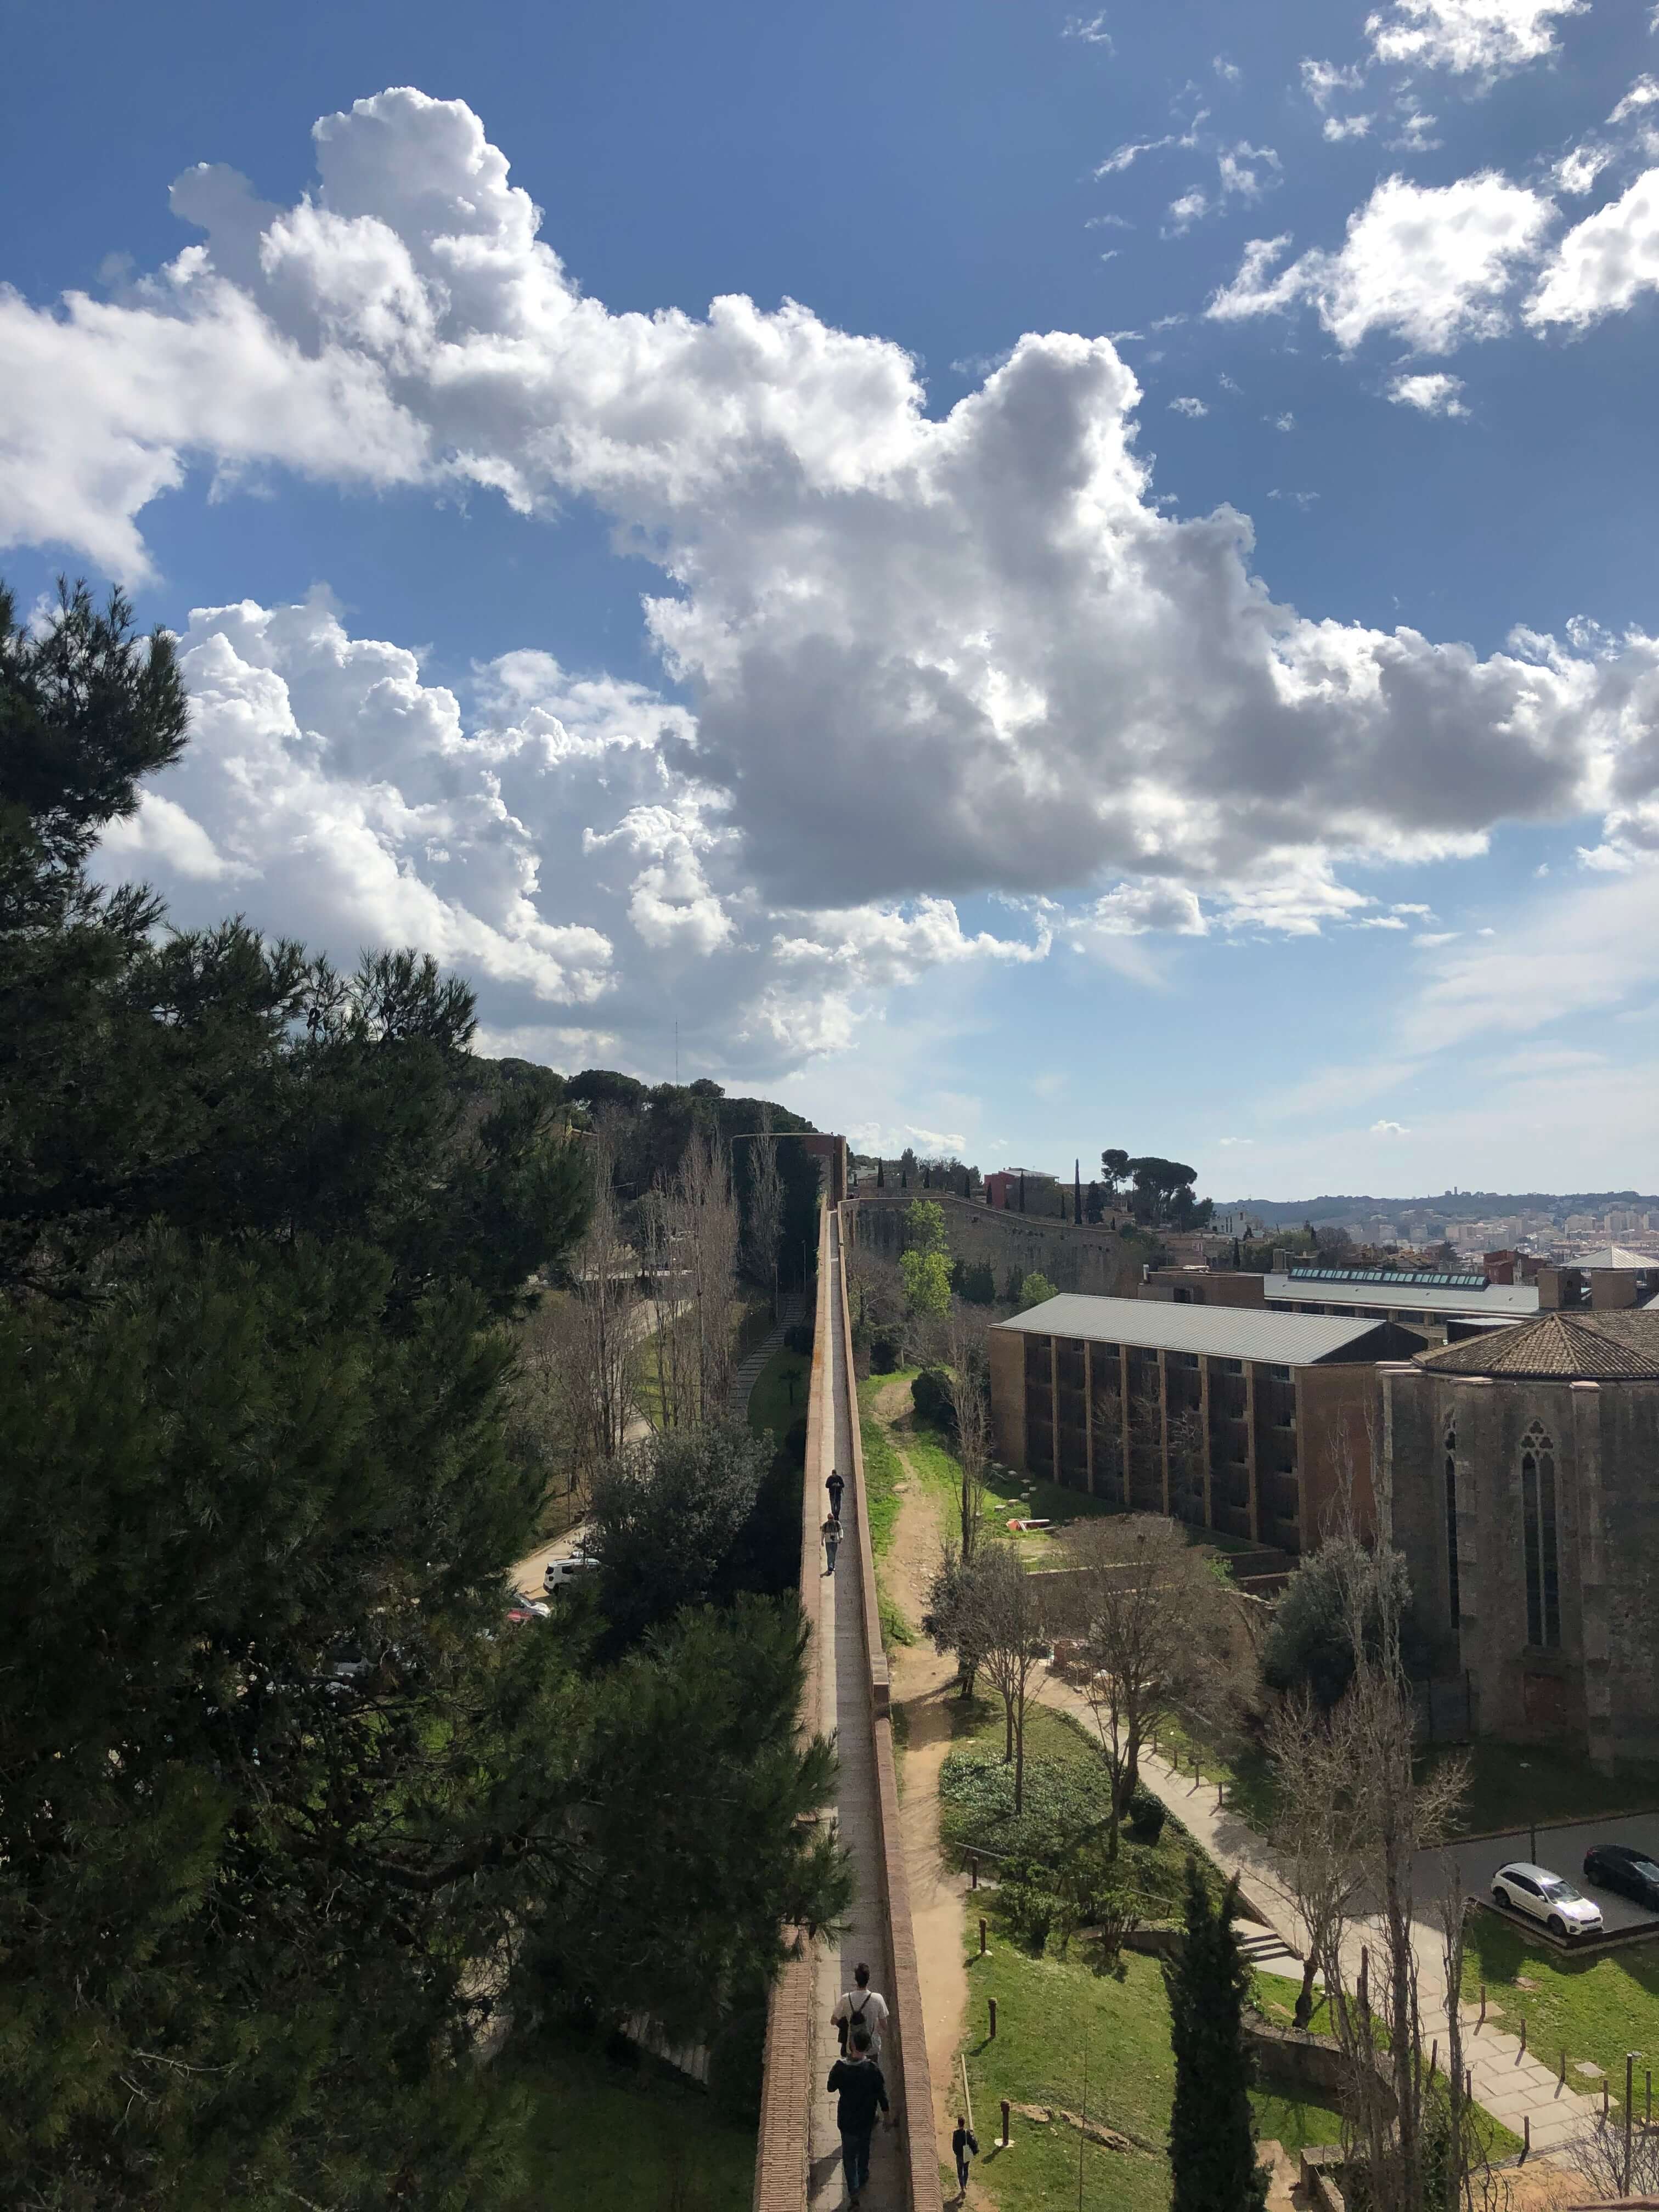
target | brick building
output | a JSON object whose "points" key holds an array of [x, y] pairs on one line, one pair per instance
{"points": [[1523, 1484], [1241, 1421]]}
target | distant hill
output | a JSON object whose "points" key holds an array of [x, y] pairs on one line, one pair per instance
{"points": [[1282, 1213]]}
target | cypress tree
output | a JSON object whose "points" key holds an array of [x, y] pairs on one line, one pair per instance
{"points": [[1213, 2162], [1076, 1194], [881, 1175]]}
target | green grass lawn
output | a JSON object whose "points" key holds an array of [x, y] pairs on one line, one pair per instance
{"points": [[778, 1400], [1593, 2009], [1510, 1784], [882, 1471], [615, 2139]]}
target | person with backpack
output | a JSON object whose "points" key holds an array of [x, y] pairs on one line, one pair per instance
{"points": [[964, 2145], [860, 2007], [863, 2092], [830, 1533], [834, 1486]]}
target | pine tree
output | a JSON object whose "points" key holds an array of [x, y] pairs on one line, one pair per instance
{"points": [[881, 1175], [1213, 2160]]}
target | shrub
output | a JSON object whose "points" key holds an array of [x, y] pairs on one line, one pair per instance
{"points": [[886, 1353], [798, 1338], [1145, 1817], [1028, 1904], [930, 1393]]}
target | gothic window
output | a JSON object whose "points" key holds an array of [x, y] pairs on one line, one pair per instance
{"points": [[1452, 1592], [1539, 1538]]}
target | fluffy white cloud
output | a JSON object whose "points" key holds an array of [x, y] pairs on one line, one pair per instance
{"points": [[985, 616], [1336, 128], [1429, 264], [1603, 262], [1481, 38], [1188, 405], [1389, 1129], [1321, 80], [1433, 394]]}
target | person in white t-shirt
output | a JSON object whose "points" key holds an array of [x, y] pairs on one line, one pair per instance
{"points": [[860, 2007]]}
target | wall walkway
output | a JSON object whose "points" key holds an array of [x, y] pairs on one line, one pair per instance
{"points": [[798, 2163]]}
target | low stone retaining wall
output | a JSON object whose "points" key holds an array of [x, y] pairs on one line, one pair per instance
{"points": [[1296, 2060]]}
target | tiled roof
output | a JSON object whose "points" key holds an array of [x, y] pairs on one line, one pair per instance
{"points": [[1621, 1346], [1282, 1339], [1613, 1255]]}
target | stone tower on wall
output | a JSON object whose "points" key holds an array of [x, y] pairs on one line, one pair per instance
{"points": [[1521, 1475]]}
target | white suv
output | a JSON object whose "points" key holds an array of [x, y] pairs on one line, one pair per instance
{"points": [[1544, 1896], [560, 1574]]}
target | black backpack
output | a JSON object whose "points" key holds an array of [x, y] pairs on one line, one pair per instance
{"points": [[855, 2018]]}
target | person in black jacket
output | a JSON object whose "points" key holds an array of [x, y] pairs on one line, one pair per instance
{"points": [[964, 2145], [863, 2092]]}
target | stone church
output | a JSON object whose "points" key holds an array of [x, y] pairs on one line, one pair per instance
{"points": [[1522, 1477]]}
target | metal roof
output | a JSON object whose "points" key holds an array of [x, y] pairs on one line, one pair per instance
{"points": [[1496, 1299], [1224, 1332], [1619, 1256]]}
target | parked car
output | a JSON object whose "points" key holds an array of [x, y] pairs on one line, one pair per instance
{"points": [[559, 1574], [1544, 1896], [528, 1608], [1631, 1872]]}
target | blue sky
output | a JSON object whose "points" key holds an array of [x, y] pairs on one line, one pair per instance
{"points": [[1223, 723]]}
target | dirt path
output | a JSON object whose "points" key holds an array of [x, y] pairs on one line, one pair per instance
{"points": [[923, 1685]]}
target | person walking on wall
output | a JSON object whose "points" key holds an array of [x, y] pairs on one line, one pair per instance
{"points": [[834, 1486], [863, 2092], [830, 1533], [964, 2145], [860, 2007]]}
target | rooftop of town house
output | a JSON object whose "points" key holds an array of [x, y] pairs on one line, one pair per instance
{"points": [[1255, 1333], [1577, 1346], [1398, 1291]]}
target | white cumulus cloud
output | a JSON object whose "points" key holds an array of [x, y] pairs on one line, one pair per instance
{"points": [[1603, 262], [983, 615], [1433, 394], [1429, 263], [1480, 38]]}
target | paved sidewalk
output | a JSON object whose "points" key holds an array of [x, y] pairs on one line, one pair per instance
{"points": [[1510, 2086]]}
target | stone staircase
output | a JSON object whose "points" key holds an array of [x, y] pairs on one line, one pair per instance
{"points": [[748, 1374]]}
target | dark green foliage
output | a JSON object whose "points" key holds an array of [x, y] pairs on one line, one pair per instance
{"points": [[798, 1338], [1309, 1643], [885, 1353], [1145, 1816], [1028, 1901], [277, 1779], [930, 1393], [1213, 2162], [975, 1282], [667, 1521]]}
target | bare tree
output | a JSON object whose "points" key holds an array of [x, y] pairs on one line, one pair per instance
{"points": [[693, 1231], [576, 1388], [1157, 1637], [1318, 1828], [765, 1225], [1599, 2153], [1184, 1441], [1368, 1814], [1009, 1636], [968, 1384]]}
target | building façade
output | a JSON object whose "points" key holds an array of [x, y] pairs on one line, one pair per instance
{"points": [[1521, 1478]]}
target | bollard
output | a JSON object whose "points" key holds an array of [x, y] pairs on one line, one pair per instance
{"points": [[1649, 2113], [1630, 2099], [1604, 2096], [1523, 2051], [1005, 2123], [992, 2037], [1561, 2078], [1434, 2053], [973, 1869], [1482, 2021], [1526, 2136], [981, 1938], [1468, 2085]]}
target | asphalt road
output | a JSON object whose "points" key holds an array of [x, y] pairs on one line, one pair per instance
{"points": [[1559, 1849]]}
